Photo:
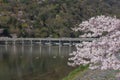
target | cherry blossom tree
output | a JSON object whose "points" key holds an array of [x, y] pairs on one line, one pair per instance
{"points": [[103, 52]]}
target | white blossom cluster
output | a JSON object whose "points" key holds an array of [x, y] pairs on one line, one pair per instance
{"points": [[103, 52]]}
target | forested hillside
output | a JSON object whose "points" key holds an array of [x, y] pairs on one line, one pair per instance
{"points": [[51, 18]]}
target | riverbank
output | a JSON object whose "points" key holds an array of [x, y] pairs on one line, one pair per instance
{"points": [[83, 73], [76, 72]]}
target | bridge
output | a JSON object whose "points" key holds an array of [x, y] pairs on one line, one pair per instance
{"points": [[6, 42], [50, 41]]}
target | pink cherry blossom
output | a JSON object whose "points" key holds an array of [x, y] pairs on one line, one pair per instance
{"points": [[102, 52]]}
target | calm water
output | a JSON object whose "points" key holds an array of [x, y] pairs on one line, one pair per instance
{"points": [[34, 63]]}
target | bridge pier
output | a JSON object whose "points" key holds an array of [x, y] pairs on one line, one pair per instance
{"points": [[49, 46], [14, 42], [40, 45], [6, 45], [14, 46], [31, 42], [22, 41], [31, 46], [14, 49], [70, 46], [6, 42], [31, 49], [22, 49], [60, 44]]}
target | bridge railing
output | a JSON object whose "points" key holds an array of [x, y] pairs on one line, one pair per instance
{"points": [[51, 39]]}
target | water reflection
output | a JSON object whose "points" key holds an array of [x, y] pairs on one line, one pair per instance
{"points": [[25, 62]]}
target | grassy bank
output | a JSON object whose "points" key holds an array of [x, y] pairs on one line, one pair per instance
{"points": [[76, 72]]}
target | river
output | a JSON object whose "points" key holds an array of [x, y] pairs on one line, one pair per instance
{"points": [[34, 62]]}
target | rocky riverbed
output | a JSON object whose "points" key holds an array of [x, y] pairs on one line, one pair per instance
{"points": [[98, 75]]}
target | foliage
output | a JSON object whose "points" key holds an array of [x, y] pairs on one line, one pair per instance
{"points": [[56, 16]]}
